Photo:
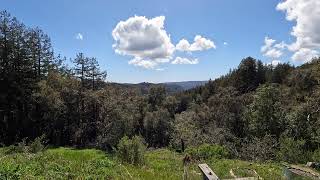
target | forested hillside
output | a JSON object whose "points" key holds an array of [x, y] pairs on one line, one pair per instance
{"points": [[256, 111], [170, 87]]}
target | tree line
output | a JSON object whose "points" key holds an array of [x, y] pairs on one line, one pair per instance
{"points": [[256, 111]]}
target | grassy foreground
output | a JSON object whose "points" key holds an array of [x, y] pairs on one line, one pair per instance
{"points": [[66, 163]]}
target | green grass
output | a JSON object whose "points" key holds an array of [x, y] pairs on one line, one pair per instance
{"points": [[66, 163], [246, 169]]}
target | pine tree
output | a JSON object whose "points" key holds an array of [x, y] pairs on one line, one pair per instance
{"points": [[95, 74], [41, 52], [17, 82], [81, 71]]}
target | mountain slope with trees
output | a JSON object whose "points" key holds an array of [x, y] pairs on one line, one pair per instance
{"points": [[257, 111]]}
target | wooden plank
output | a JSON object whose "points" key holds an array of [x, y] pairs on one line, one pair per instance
{"points": [[245, 178], [295, 170], [207, 173]]}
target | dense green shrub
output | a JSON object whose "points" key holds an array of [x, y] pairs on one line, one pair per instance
{"points": [[207, 151], [316, 155], [131, 150], [37, 145], [291, 150], [20, 147], [259, 149]]}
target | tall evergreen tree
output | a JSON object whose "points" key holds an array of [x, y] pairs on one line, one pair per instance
{"points": [[41, 52], [81, 71], [246, 75], [95, 73]]}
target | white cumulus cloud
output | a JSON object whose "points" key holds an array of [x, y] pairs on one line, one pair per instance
{"points": [[149, 45], [272, 50], [180, 60], [306, 14], [200, 43], [274, 63], [144, 39], [79, 36], [305, 54], [160, 69], [183, 45], [148, 64]]}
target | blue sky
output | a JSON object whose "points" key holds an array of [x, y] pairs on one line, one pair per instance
{"points": [[243, 25]]}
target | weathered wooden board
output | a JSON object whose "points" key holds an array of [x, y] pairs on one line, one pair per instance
{"points": [[245, 178], [207, 173]]}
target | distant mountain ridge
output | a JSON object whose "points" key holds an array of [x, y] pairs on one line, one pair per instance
{"points": [[171, 87], [187, 84]]}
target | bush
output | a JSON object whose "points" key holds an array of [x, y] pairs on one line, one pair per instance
{"points": [[316, 155], [37, 145], [131, 150], [259, 149], [21, 147], [291, 150], [207, 151]]}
